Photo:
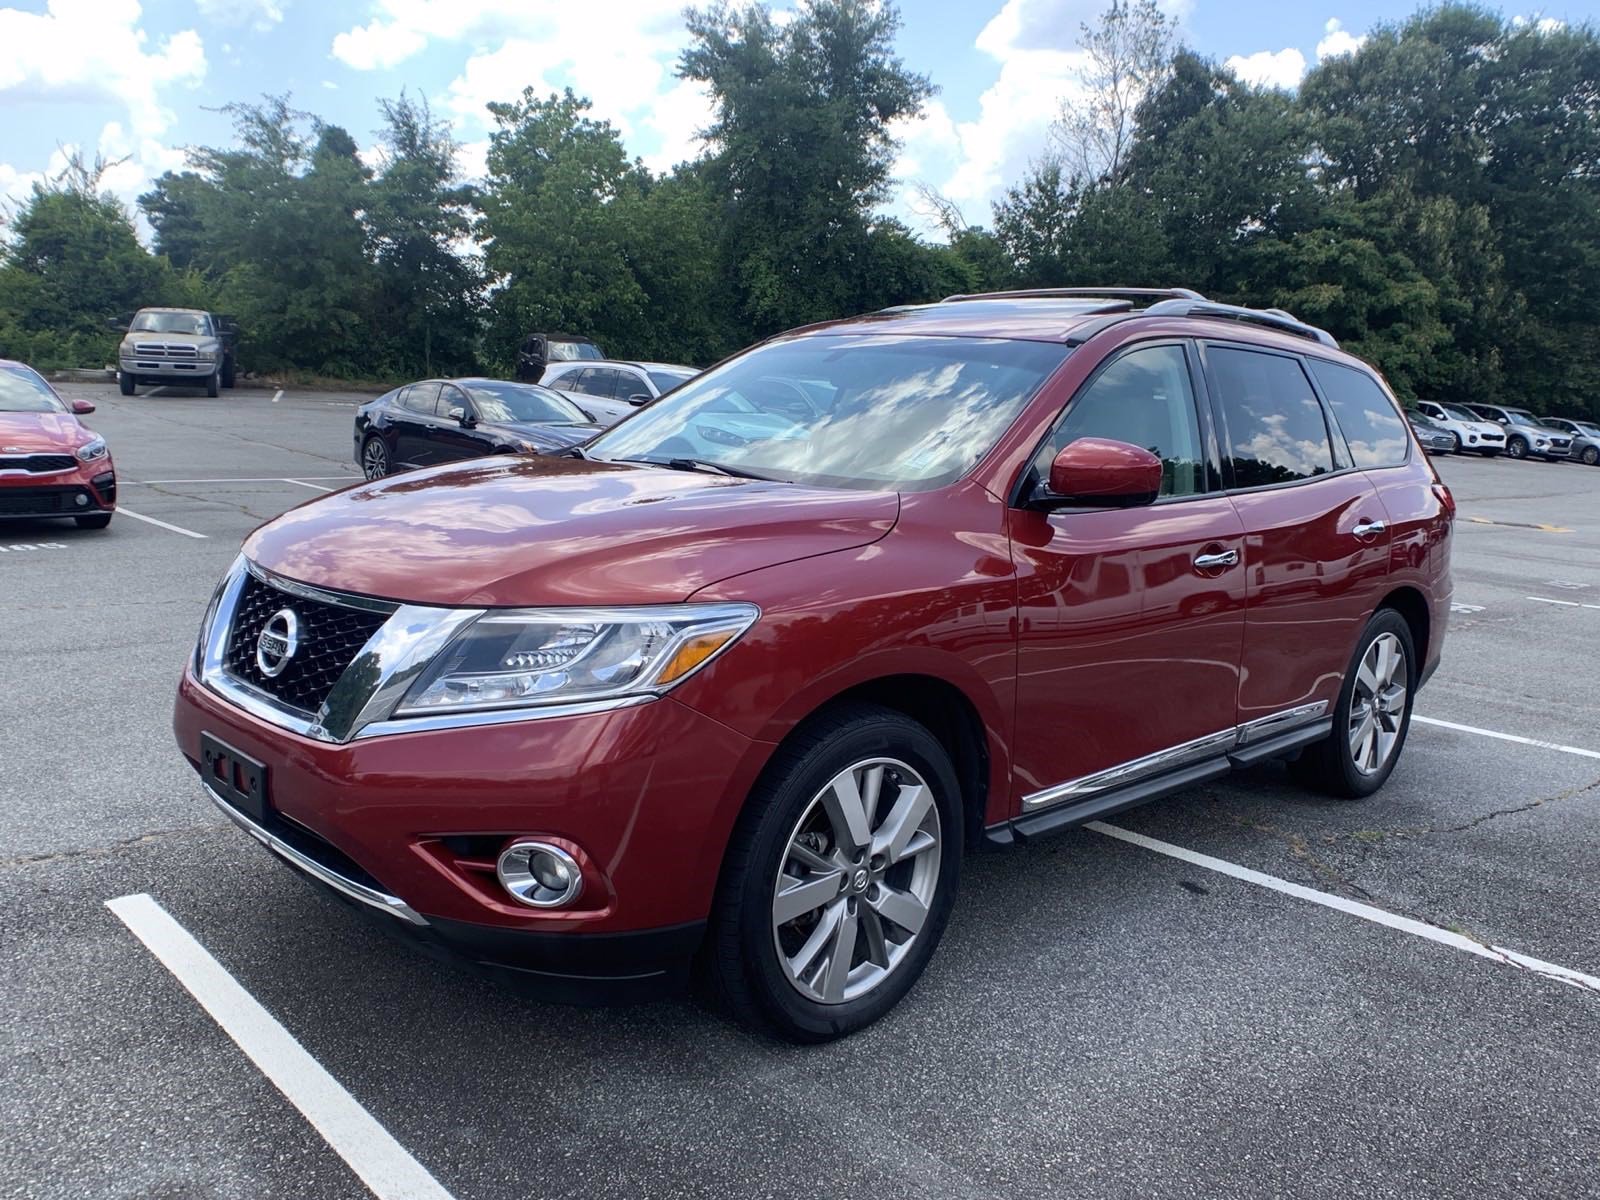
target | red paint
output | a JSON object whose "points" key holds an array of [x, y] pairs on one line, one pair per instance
{"points": [[54, 433], [1080, 638]]}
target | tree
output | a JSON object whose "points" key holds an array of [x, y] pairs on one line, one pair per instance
{"points": [[428, 282], [1128, 54], [801, 148], [72, 263]]}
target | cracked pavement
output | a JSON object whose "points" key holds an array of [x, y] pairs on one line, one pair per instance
{"points": [[1100, 1021]]}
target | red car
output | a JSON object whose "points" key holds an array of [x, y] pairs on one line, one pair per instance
{"points": [[743, 679], [51, 464]]}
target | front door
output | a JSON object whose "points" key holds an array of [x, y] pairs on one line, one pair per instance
{"points": [[452, 440], [414, 419], [1131, 619]]}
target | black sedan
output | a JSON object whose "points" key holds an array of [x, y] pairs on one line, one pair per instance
{"points": [[443, 420]]}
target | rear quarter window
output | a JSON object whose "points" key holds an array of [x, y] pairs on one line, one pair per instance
{"points": [[1372, 426]]}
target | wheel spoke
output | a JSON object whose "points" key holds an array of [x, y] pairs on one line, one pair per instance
{"points": [[820, 938], [837, 973], [846, 812], [797, 897], [807, 857], [910, 807], [900, 908], [1366, 677], [872, 935]]}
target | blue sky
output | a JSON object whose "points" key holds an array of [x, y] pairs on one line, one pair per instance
{"points": [[138, 78]]}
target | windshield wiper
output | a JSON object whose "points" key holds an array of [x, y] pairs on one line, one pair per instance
{"points": [[573, 451], [700, 464]]}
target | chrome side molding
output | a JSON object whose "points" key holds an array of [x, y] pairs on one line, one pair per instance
{"points": [[1212, 745]]}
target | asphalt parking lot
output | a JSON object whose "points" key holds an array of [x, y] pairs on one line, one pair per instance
{"points": [[1105, 1017]]}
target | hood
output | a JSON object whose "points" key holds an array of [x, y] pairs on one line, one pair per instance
{"points": [[546, 437], [30, 432], [176, 339], [535, 531]]}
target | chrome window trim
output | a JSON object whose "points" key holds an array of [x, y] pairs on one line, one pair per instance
{"points": [[1209, 746], [360, 892]]}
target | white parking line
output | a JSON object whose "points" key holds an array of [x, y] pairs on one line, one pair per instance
{"points": [[1507, 737], [128, 512], [316, 487], [1562, 603], [382, 1163], [1354, 908]]}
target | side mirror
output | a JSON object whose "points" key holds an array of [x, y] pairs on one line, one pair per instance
{"points": [[640, 399], [1100, 472], [462, 418], [82, 407]]}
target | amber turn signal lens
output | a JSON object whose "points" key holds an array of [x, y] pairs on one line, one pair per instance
{"points": [[694, 652]]}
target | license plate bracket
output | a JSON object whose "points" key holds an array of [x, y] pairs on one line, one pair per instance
{"points": [[236, 777]]}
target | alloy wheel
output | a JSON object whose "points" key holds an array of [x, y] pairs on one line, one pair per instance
{"points": [[374, 459], [857, 880], [1517, 448], [1378, 704]]}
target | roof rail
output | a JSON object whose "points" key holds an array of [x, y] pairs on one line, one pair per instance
{"points": [[1107, 293], [1267, 318]]}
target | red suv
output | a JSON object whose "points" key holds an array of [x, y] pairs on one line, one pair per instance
{"points": [[743, 678]]}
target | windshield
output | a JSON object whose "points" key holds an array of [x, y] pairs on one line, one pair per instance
{"points": [[511, 403], [1460, 414], [572, 351], [21, 390], [845, 410], [1522, 416], [665, 380], [171, 322]]}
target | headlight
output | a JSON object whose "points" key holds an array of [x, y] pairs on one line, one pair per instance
{"points": [[523, 657], [91, 451]]}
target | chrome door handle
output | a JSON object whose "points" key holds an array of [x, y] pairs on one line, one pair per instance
{"points": [[1212, 562], [1368, 528]]}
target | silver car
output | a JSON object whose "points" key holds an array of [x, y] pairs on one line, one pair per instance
{"points": [[609, 390], [1585, 438]]}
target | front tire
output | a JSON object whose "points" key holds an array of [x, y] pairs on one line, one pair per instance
{"points": [[840, 877], [1370, 718], [1517, 448], [1590, 456], [1456, 438], [214, 384], [126, 383], [375, 462]]}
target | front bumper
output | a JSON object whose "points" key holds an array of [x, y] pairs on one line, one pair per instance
{"points": [[406, 828], [80, 491], [168, 369]]}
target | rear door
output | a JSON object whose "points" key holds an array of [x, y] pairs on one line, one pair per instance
{"points": [[1316, 534], [1131, 619], [413, 419]]}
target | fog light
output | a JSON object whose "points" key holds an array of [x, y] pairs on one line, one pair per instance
{"points": [[539, 875], [81, 500]]}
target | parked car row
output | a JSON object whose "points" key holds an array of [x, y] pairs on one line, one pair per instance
{"points": [[51, 464], [1492, 429]]}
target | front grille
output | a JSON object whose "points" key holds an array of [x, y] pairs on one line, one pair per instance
{"points": [[330, 636], [37, 464], [43, 501], [169, 350]]}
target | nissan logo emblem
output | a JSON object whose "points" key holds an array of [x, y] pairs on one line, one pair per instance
{"points": [[277, 642]]}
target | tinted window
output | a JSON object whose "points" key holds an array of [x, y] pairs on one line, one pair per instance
{"points": [[589, 382], [1367, 417], [844, 410], [171, 322], [1142, 398], [1273, 428], [451, 397], [421, 397], [500, 403], [665, 381]]}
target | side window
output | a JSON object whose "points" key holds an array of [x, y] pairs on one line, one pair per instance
{"points": [[605, 382], [452, 397], [629, 384], [1273, 427], [422, 398], [1143, 398], [586, 382], [1376, 434]]}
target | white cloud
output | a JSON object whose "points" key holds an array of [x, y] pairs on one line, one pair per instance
{"points": [[1542, 24], [1270, 68], [676, 118], [377, 45], [1337, 40], [260, 15], [88, 50]]}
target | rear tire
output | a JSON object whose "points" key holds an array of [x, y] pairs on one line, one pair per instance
{"points": [[855, 830], [227, 372], [375, 462], [1371, 716], [1456, 438], [126, 383], [93, 521]]}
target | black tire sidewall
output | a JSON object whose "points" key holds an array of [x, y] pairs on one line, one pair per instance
{"points": [[872, 734], [370, 440], [1385, 620], [1517, 448]]}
